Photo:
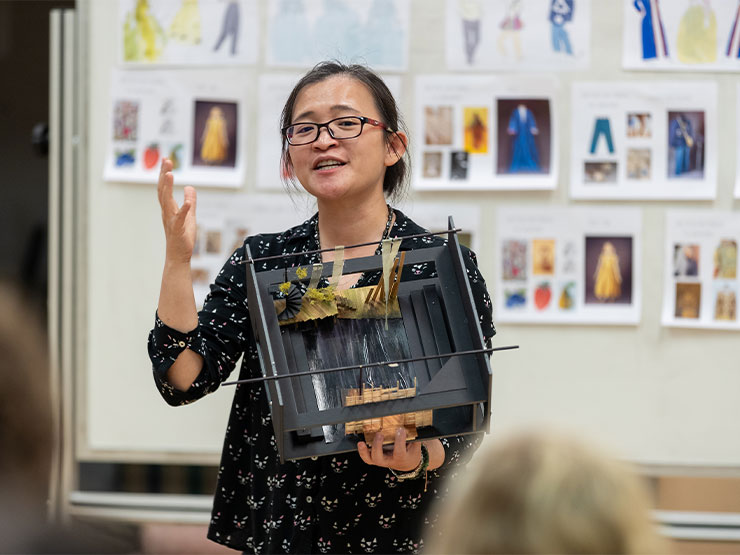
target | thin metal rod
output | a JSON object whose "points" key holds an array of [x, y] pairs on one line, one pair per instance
{"points": [[291, 254], [371, 364]]}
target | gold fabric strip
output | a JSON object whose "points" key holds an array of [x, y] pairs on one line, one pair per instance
{"points": [[336, 273], [389, 250], [315, 275]]}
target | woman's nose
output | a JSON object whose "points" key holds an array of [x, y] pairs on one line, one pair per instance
{"points": [[324, 139]]}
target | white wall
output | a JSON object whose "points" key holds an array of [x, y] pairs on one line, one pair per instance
{"points": [[656, 395]]}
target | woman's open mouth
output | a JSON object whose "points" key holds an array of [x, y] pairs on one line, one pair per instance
{"points": [[326, 165]]}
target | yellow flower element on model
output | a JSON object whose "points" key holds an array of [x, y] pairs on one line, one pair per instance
{"points": [[283, 287], [301, 272], [325, 294]]}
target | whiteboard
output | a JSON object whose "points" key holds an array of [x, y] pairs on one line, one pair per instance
{"points": [[655, 395]]}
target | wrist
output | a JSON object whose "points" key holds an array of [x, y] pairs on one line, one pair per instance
{"points": [[176, 263], [417, 472]]}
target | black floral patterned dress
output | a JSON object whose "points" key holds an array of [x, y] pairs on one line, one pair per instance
{"points": [[331, 504]]}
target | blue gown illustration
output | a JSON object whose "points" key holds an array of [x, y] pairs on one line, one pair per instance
{"points": [[523, 128], [648, 37]]}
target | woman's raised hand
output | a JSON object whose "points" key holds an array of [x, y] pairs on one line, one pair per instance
{"points": [[179, 222]]}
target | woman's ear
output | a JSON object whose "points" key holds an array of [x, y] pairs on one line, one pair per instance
{"points": [[396, 147]]}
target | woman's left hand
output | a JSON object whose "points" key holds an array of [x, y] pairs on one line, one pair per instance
{"points": [[404, 457]]}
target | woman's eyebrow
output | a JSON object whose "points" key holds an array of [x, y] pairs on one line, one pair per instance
{"points": [[334, 109]]}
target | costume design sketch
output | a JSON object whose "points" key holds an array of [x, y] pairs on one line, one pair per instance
{"points": [[215, 140], [470, 13], [561, 12], [733, 40], [608, 278], [510, 31], [186, 25], [523, 129], [602, 128], [697, 34], [653, 42], [230, 27], [143, 37]]}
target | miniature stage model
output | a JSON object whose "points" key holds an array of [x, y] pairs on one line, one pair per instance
{"points": [[338, 363]]}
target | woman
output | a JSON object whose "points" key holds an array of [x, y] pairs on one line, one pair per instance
{"points": [[341, 142]]}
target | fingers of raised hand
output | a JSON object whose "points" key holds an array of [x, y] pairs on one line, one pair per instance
{"points": [[165, 184], [190, 198]]}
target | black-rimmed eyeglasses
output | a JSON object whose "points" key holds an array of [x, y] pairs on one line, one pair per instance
{"points": [[347, 127]]}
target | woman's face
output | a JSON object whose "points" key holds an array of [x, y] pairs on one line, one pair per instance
{"points": [[361, 161]]}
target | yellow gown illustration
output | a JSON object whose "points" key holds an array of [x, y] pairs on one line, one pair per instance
{"points": [[697, 35], [608, 278], [215, 140], [185, 26], [143, 38]]}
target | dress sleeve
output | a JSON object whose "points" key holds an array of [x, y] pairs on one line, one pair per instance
{"points": [[459, 449], [223, 333], [482, 299]]}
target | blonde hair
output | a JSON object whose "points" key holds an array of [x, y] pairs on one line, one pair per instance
{"points": [[544, 492], [25, 413]]}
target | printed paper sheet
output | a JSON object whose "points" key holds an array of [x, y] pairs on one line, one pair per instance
{"points": [[701, 279], [196, 118], [514, 35], [568, 265], [475, 132], [301, 33], [188, 32], [637, 140], [681, 35]]}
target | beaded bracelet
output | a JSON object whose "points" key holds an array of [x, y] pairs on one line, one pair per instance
{"points": [[418, 471]]}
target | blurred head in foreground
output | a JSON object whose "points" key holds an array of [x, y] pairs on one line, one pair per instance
{"points": [[543, 492], [25, 418]]}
